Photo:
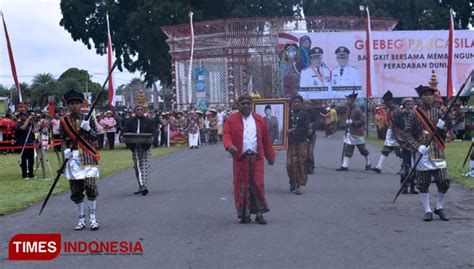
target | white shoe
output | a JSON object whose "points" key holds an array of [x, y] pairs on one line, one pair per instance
{"points": [[469, 174], [94, 225], [81, 225]]}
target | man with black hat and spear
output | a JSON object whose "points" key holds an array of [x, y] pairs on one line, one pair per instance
{"points": [[82, 166], [421, 124], [390, 143], [355, 134]]}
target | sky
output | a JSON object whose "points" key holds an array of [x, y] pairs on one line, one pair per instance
{"points": [[40, 45]]}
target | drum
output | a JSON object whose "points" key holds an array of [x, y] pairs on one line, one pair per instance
{"points": [[134, 138]]}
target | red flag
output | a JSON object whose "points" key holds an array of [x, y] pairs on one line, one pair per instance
{"points": [[370, 70], [12, 61], [450, 82], [109, 61]]}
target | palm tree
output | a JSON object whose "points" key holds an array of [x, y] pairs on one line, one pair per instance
{"points": [[43, 79], [44, 84]]}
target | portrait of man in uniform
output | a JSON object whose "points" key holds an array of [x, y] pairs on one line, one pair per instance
{"points": [[318, 74], [273, 113], [345, 76], [272, 123]]}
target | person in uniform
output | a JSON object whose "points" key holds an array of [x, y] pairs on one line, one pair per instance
{"points": [[406, 150], [390, 143], [297, 153], [355, 134], [193, 130], [421, 124], [344, 75], [141, 153], [83, 158], [272, 123], [308, 106], [334, 119], [24, 137], [318, 74], [247, 138]]}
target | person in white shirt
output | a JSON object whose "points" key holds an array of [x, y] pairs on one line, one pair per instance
{"points": [[220, 122], [344, 75], [318, 74]]}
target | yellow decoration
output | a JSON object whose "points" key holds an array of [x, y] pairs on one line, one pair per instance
{"points": [[141, 99], [255, 95], [433, 82]]}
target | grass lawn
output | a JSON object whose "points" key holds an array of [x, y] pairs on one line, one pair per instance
{"points": [[455, 152], [17, 193]]}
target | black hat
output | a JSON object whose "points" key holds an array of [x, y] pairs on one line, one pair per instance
{"points": [[316, 51], [388, 96], [22, 113], [353, 95], [297, 97], [244, 97], [422, 89], [342, 52], [268, 107], [73, 95]]}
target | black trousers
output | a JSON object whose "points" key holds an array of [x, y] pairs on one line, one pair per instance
{"points": [[100, 140], [27, 162], [7, 137], [213, 137], [79, 186], [111, 138], [58, 147], [155, 139], [460, 134], [406, 155]]}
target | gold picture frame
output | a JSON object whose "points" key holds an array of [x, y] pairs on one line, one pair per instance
{"points": [[277, 119]]}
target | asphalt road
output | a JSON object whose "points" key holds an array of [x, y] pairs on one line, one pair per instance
{"points": [[188, 220]]}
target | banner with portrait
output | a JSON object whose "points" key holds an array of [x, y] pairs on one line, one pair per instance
{"points": [[330, 65]]}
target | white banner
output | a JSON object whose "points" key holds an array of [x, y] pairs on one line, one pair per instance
{"points": [[331, 65]]}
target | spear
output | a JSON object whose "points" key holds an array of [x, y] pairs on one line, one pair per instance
{"points": [[446, 114], [75, 141], [467, 156]]}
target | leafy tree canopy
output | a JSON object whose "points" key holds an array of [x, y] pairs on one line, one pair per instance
{"points": [[139, 44]]}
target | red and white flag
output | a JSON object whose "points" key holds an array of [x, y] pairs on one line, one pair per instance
{"points": [[12, 61], [451, 72], [370, 68], [109, 63]]}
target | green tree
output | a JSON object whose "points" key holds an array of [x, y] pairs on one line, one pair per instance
{"points": [[43, 85], [412, 14], [138, 42]]}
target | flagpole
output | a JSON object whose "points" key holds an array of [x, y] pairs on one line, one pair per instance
{"points": [[12, 60], [369, 68], [190, 89], [109, 64], [449, 82]]}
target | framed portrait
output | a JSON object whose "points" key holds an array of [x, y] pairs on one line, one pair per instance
{"points": [[275, 113]]}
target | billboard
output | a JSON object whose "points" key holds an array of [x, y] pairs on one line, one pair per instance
{"points": [[330, 65]]}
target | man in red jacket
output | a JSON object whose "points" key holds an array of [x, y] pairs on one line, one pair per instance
{"points": [[247, 138]]}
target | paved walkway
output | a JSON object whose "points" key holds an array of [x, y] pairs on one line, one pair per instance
{"points": [[343, 219]]}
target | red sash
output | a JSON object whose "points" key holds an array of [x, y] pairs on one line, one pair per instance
{"points": [[429, 126], [72, 132]]}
